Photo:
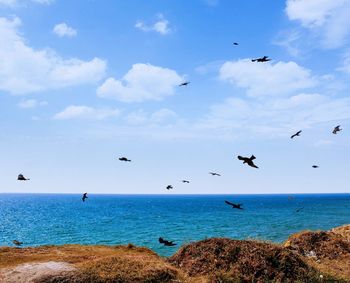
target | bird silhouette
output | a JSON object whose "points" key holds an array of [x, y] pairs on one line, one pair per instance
{"points": [[336, 129], [299, 209], [237, 206], [22, 178], [262, 59], [235, 43], [297, 134], [248, 160], [124, 159], [169, 187], [165, 242], [17, 243], [214, 174], [314, 166], [84, 197], [185, 181], [184, 84]]}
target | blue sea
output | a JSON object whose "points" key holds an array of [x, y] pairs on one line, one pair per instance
{"points": [[55, 219]]}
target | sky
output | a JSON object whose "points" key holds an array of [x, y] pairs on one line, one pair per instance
{"points": [[85, 82]]}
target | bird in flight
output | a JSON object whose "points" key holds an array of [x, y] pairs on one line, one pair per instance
{"points": [[84, 197], [124, 159], [297, 134], [185, 181], [17, 243], [169, 187], [22, 178], [262, 59], [214, 174], [299, 209], [165, 242], [336, 129], [248, 160], [314, 166], [238, 205], [235, 43], [184, 84]]}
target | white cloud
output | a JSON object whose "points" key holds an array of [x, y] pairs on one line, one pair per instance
{"points": [[345, 67], [161, 26], [161, 116], [329, 18], [85, 112], [63, 29], [31, 103], [16, 3], [25, 70], [142, 82], [267, 79]]}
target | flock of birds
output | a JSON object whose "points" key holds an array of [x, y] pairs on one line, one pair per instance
{"points": [[246, 160]]}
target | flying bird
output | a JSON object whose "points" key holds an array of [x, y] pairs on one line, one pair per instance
{"points": [[336, 129], [22, 178], [124, 159], [235, 43], [299, 209], [314, 166], [262, 59], [84, 196], [248, 160], [297, 134], [185, 181], [17, 243], [169, 187], [165, 242], [184, 84], [238, 205], [214, 174]]}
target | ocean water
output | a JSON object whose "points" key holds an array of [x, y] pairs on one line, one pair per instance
{"points": [[46, 219]]}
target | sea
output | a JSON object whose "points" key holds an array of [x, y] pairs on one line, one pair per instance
{"points": [[57, 219]]}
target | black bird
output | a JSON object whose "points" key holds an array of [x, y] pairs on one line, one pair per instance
{"points": [[336, 129], [299, 209], [314, 166], [169, 187], [124, 159], [214, 174], [17, 243], [22, 178], [297, 134], [235, 43], [184, 84], [238, 205], [84, 196], [248, 160], [185, 181], [262, 59], [165, 242]]}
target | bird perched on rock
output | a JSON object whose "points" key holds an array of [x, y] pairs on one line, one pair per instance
{"points": [[22, 178], [169, 187], [84, 197], [262, 59], [297, 134], [237, 206], [17, 243], [248, 160], [124, 159], [184, 84], [185, 181], [336, 129], [165, 242]]}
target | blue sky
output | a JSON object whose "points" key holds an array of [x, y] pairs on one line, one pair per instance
{"points": [[85, 82]]}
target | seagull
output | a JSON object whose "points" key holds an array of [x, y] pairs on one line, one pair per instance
{"points": [[238, 205], [235, 43], [262, 59], [169, 187], [185, 181], [184, 84], [124, 159], [22, 178], [214, 174], [297, 134], [336, 129], [165, 242], [17, 243], [248, 160], [299, 209], [84, 197], [314, 166]]}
